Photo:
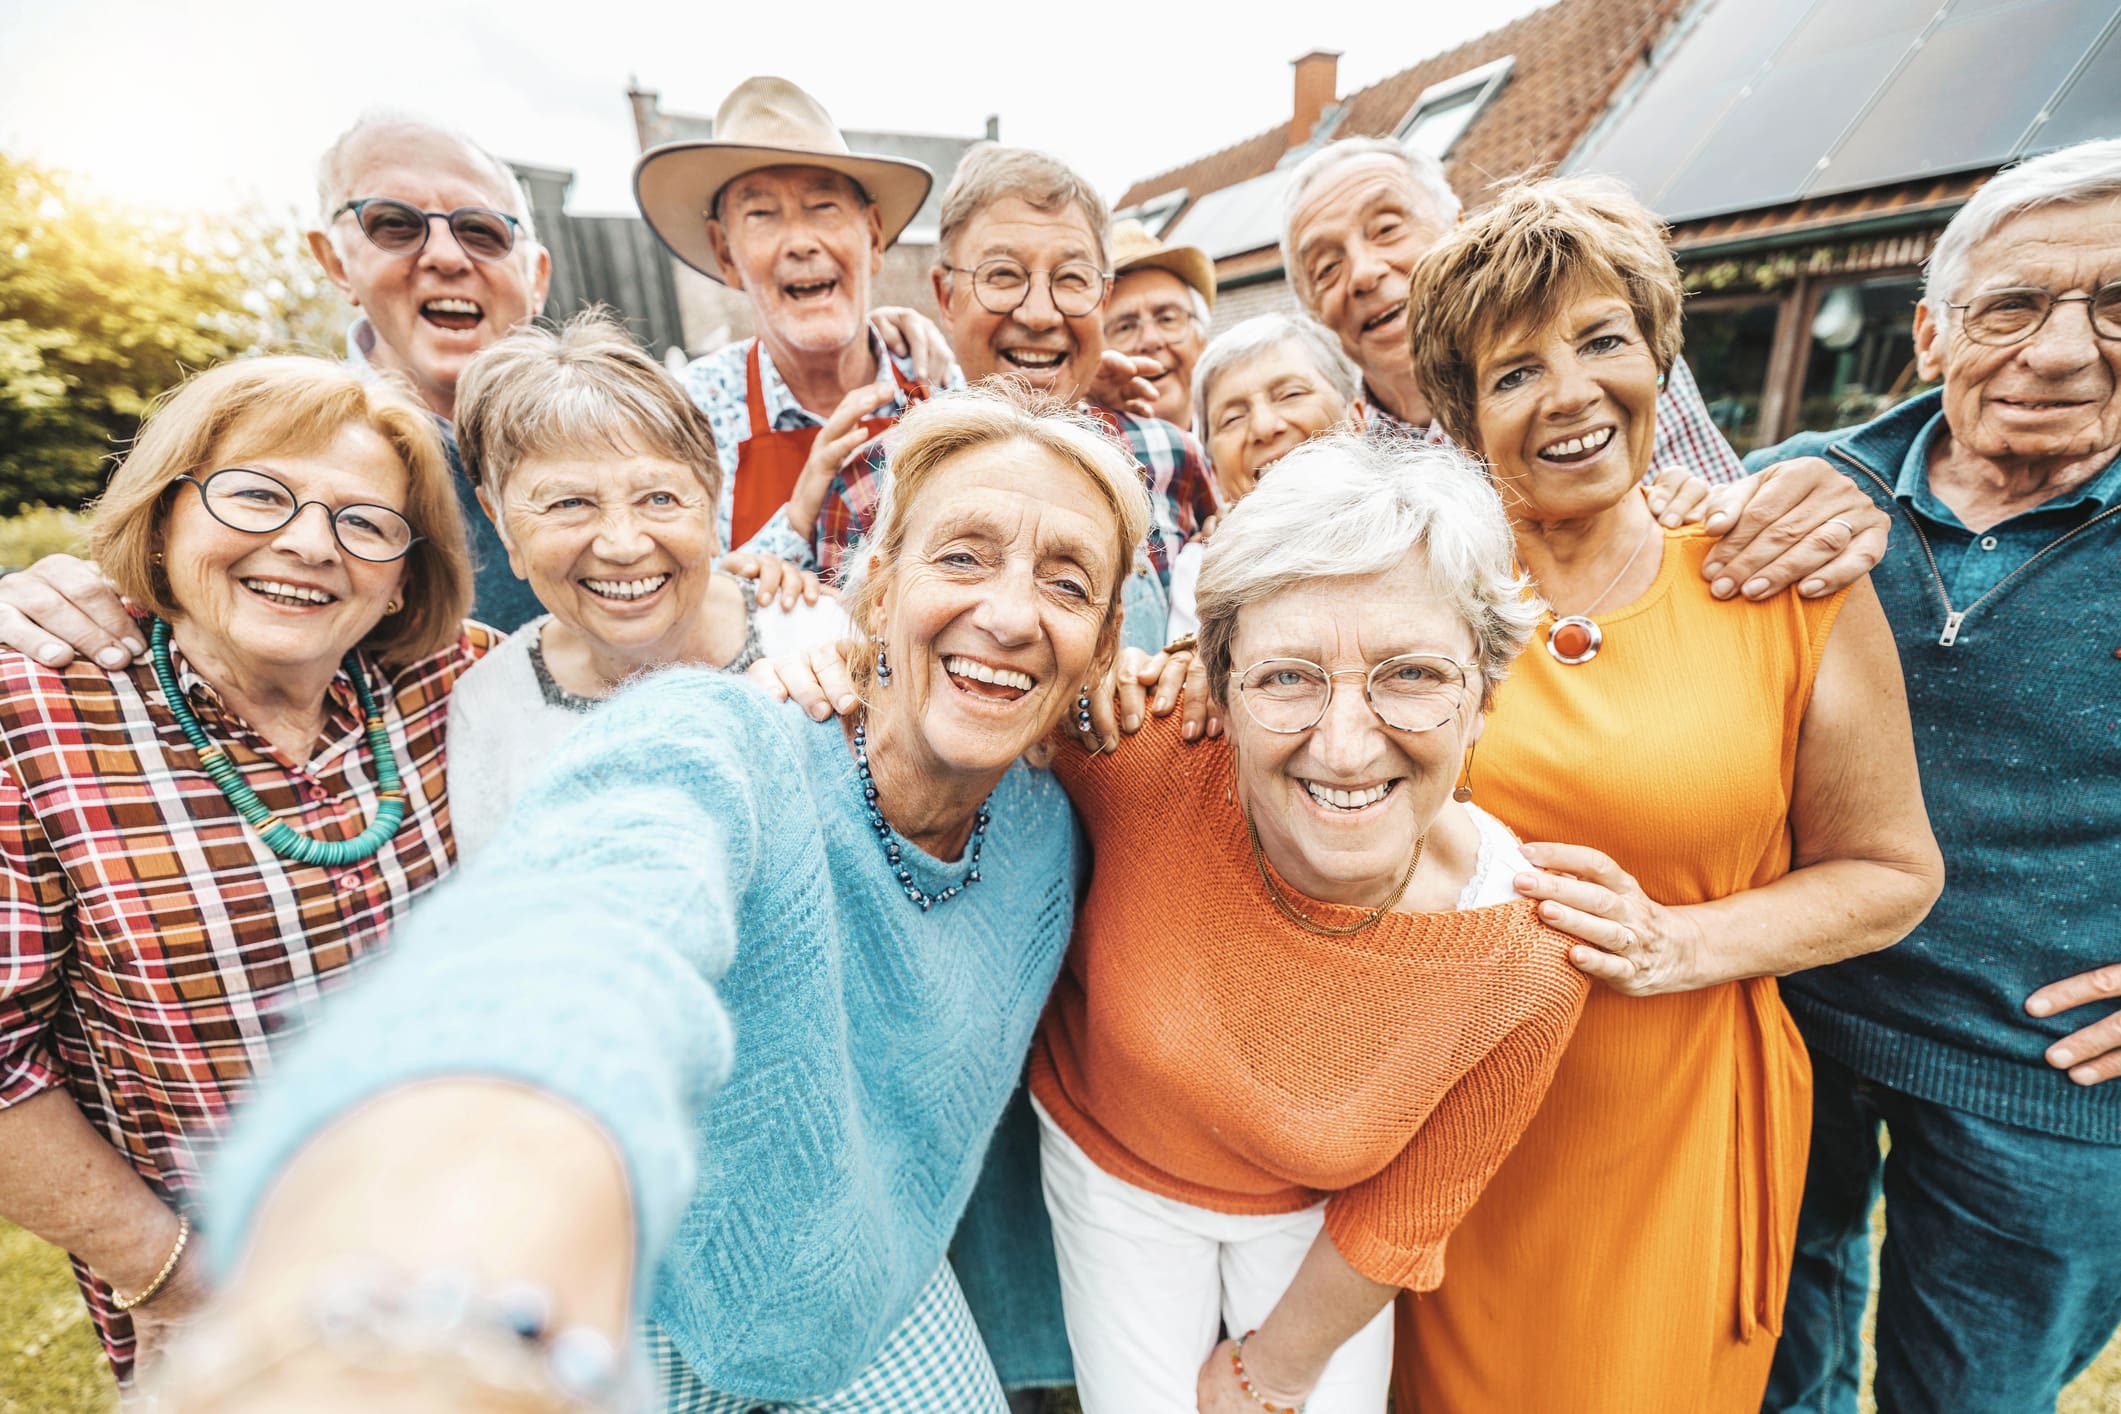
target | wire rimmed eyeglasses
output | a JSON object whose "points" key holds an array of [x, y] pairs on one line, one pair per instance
{"points": [[1414, 692], [2010, 316], [1076, 287], [402, 228], [255, 503]]}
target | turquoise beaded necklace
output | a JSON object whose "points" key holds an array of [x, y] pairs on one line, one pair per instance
{"points": [[280, 837]]}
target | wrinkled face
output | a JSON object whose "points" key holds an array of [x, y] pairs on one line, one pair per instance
{"points": [[1567, 413], [803, 244], [2053, 394], [289, 602], [1339, 807], [1263, 408], [1150, 314], [1360, 231], [1051, 351], [619, 546], [433, 309], [995, 611]]}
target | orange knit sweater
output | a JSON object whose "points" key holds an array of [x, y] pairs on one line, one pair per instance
{"points": [[1202, 1047]]}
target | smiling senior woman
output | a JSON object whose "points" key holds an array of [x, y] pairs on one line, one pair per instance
{"points": [[1271, 1082], [604, 482], [881, 906], [1737, 784], [191, 848]]}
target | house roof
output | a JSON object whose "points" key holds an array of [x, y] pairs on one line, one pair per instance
{"points": [[1779, 107], [1571, 56]]}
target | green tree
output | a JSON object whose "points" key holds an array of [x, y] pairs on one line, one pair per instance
{"points": [[104, 307]]}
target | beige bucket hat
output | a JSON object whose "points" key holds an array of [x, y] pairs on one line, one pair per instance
{"points": [[764, 122], [1133, 248]]}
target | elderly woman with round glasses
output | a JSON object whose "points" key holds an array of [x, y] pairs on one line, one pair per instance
{"points": [[193, 848]]}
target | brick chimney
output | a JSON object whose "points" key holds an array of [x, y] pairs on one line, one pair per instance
{"points": [[1317, 87]]}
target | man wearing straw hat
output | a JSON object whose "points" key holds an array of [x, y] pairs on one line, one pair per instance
{"points": [[775, 205], [1158, 310]]}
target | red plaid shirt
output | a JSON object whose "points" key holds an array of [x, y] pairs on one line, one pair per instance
{"points": [[155, 949], [1182, 496]]}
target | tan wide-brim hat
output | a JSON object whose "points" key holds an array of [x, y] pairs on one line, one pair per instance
{"points": [[765, 122], [1133, 248]]}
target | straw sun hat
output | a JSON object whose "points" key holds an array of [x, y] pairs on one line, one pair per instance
{"points": [[765, 122]]}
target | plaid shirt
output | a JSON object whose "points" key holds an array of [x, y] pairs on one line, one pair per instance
{"points": [[716, 383], [1182, 495], [1686, 435], [156, 950]]}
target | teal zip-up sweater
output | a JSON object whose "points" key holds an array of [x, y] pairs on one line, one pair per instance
{"points": [[2008, 642], [693, 896]]}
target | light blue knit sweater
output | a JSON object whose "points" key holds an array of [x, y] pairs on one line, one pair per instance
{"points": [[695, 839]]}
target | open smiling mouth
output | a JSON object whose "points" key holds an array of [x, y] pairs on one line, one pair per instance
{"points": [[457, 314], [1348, 802], [289, 596], [985, 681], [1577, 449], [804, 291], [624, 591], [1034, 360], [1379, 320]]}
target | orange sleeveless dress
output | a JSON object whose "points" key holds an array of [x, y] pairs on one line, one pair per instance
{"points": [[1632, 1253]]}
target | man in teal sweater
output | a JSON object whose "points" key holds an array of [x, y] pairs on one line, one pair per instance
{"points": [[1988, 1043]]}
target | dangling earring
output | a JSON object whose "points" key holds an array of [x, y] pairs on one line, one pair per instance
{"points": [[883, 666], [1082, 711], [1464, 792]]}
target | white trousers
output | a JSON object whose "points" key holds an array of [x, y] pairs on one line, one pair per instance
{"points": [[1149, 1284]]}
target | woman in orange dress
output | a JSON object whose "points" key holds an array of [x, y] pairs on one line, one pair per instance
{"points": [[1737, 786]]}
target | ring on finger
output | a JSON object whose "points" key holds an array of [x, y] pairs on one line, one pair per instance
{"points": [[1837, 520]]}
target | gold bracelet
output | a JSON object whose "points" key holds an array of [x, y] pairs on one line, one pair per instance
{"points": [[176, 1253]]}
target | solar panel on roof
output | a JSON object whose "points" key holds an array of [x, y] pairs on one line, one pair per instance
{"points": [[1771, 101]]}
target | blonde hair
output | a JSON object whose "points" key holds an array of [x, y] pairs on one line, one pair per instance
{"points": [[1344, 505], [587, 388], [290, 404], [1519, 262], [940, 430]]}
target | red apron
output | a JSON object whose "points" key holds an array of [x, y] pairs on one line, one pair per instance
{"points": [[769, 462]]}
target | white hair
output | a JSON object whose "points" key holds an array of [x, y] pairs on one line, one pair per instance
{"points": [[2087, 172], [1262, 333], [1424, 174], [1342, 505], [332, 177]]}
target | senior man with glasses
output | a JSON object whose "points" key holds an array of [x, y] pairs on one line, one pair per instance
{"points": [[1988, 1043], [1023, 281], [1161, 300]]}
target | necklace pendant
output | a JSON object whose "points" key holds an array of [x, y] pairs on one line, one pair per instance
{"points": [[1575, 639]]}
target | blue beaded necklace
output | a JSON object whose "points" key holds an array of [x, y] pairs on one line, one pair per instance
{"points": [[894, 848], [280, 837]]}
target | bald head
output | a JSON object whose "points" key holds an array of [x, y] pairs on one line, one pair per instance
{"points": [[401, 137]]}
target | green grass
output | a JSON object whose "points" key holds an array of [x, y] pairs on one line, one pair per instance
{"points": [[50, 1362]]}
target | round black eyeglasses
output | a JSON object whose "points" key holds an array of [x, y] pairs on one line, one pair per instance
{"points": [[401, 228], [257, 504]]}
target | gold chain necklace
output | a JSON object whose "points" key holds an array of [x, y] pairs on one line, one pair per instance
{"points": [[1330, 930]]}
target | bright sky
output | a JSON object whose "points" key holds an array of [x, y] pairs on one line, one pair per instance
{"points": [[211, 102]]}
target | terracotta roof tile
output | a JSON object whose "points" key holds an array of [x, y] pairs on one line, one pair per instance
{"points": [[1935, 197], [1571, 57]]}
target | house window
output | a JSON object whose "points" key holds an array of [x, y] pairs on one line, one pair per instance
{"points": [[1155, 214], [1445, 110], [1862, 355], [1729, 343]]}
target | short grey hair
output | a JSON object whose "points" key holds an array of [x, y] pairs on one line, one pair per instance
{"points": [[1424, 174], [1247, 341], [2087, 172], [990, 172], [1342, 505], [332, 178]]}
